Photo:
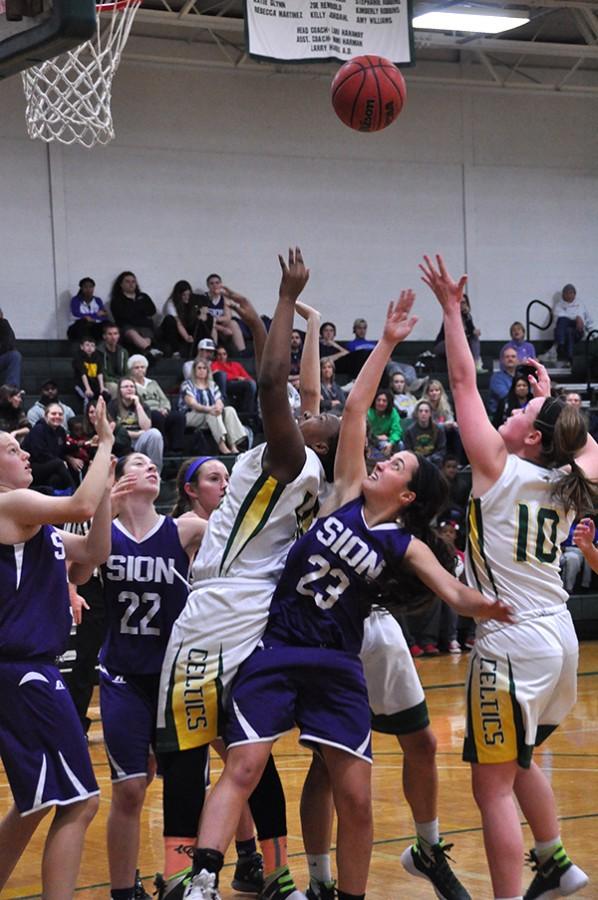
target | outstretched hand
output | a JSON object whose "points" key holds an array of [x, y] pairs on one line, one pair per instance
{"points": [[294, 274], [399, 323], [584, 534], [242, 306], [540, 382], [448, 291], [102, 426]]}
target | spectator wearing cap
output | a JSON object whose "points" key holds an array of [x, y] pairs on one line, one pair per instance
{"points": [[240, 386], [48, 394], [206, 350], [360, 341], [169, 422], [88, 312], [10, 358]]}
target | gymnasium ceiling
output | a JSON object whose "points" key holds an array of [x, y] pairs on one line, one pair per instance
{"points": [[556, 51]]}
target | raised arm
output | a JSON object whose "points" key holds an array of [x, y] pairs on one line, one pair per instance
{"points": [[583, 537], [349, 468], [309, 382], [248, 313], [483, 445], [285, 454], [29, 508]]}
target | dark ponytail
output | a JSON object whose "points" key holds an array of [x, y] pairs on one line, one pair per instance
{"points": [[564, 435], [397, 588]]}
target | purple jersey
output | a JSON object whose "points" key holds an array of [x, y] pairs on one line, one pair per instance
{"points": [[145, 589], [35, 614], [319, 598]]}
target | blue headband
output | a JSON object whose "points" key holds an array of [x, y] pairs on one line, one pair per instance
{"points": [[194, 466]]}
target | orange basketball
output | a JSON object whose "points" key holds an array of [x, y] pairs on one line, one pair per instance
{"points": [[368, 93]]}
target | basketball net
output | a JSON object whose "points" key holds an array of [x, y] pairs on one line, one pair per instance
{"points": [[68, 98]]}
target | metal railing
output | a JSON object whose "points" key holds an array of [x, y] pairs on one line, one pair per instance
{"points": [[589, 336], [528, 320]]}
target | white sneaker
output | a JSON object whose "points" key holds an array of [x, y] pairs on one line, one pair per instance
{"points": [[202, 887], [550, 356], [453, 647]]}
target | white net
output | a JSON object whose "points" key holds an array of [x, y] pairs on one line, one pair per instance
{"points": [[69, 97]]}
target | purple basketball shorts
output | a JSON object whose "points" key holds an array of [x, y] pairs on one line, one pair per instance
{"points": [[42, 744], [321, 691], [129, 723]]}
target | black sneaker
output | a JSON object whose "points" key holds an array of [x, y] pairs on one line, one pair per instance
{"points": [[281, 888], [249, 874], [140, 893], [435, 868], [555, 877], [326, 891], [174, 887]]}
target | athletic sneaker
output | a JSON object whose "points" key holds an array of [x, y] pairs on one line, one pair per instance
{"points": [[249, 874], [453, 647], [415, 651], [555, 877], [326, 891], [282, 888], [430, 650], [140, 892], [202, 887], [435, 868], [174, 887]]}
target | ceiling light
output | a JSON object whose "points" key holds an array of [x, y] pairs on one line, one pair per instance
{"points": [[463, 18]]}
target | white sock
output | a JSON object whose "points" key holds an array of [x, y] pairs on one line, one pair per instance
{"points": [[319, 867], [428, 831], [545, 849]]}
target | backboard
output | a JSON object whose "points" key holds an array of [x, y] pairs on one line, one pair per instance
{"points": [[35, 30]]}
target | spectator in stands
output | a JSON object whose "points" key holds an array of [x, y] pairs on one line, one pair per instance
{"points": [[241, 388], [132, 310], [328, 344], [13, 418], [10, 358], [459, 487], [48, 394], [296, 351], [294, 395], [471, 332], [332, 396], [520, 393], [227, 327], [573, 399], [88, 312], [201, 401], [501, 381], [404, 402], [186, 321], [442, 411], [206, 351], [128, 411], [573, 564], [518, 343], [384, 426], [406, 369], [572, 322], [424, 436], [122, 441], [78, 445], [360, 341], [89, 372], [51, 466], [169, 422], [114, 357]]}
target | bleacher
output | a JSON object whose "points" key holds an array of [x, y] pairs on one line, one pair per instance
{"points": [[51, 359]]}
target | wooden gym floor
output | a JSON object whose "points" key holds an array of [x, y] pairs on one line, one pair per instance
{"points": [[570, 759]]}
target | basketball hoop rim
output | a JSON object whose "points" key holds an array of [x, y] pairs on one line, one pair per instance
{"points": [[117, 5]]}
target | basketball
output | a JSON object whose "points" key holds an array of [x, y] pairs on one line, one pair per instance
{"points": [[368, 93]]}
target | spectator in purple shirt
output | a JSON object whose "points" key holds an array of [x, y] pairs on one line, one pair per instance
{"points": [[518, 343], [88, 312]]}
